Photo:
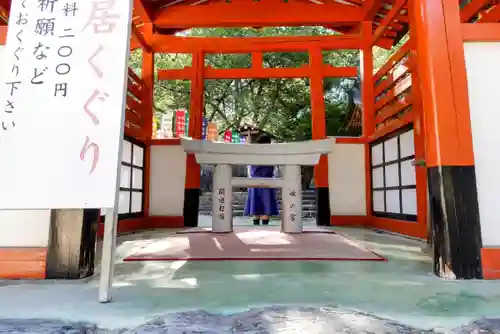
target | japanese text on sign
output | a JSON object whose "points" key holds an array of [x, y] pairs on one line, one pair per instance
{"points": [[63, 93]]}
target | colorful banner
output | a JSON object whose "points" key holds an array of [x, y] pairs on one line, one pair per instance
{"points": [[180, 123], [204, 129], [235, 137], [228, 136], [212, 133], [186, 131]]}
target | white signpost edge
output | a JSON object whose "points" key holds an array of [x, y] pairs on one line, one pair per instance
{"points": [[111, 217]]}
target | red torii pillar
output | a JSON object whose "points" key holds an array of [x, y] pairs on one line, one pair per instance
{"points": [[196, 106], [318, 123]]}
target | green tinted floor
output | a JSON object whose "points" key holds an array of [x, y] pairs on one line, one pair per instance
{"points": [[403, 289]]}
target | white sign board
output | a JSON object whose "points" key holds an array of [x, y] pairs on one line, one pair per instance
{"points": [[65, 66]]}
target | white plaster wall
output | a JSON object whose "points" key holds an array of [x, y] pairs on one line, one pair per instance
{"points": [[24, 228], [483, 73], [346, 173], [168, 173]]}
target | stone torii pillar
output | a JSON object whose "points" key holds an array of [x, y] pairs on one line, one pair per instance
{"points": [[290, 157]]}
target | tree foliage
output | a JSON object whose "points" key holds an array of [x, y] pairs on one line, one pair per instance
{"points": [[280, 106]]}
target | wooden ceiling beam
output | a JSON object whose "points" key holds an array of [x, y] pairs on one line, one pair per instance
{"points": [[140, 38], [395, 12], [267, 13], [177, 44], [141, 11], [371, 8]]}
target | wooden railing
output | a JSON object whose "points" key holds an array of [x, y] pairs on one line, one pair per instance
{"points": [[136, 107], [393, 91]]}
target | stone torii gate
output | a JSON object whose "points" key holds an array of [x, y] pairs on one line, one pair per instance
{"points": [[290, 157]]}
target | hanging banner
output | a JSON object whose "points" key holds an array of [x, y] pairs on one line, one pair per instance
{"points": [[228, 136], [235, 137], [63, 103], [180, 123], [186, 131], [212, 132], [204, 129]]}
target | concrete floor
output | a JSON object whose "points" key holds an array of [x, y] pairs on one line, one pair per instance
{"points": [[402, 289]]}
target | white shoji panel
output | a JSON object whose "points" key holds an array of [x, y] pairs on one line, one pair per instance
{"points": [[138, 158], [407, 144], [137, 178], [392, 201], [124, 202], [136, 202], [408, 177], [409, 197], [391, 149], [392, 175], [125, 177], [378, 177], [378, 201], [377, 151], [127, 152]]}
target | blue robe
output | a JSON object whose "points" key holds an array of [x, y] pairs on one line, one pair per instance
{"points": [[261, 201]]}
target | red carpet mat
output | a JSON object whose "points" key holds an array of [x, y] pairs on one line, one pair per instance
{"points": [[255, 244]]}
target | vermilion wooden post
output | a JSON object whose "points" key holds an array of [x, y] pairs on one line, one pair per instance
{"points": [[319, 132], [196, 106], [456, 230], [147, 73], [368, 106]]}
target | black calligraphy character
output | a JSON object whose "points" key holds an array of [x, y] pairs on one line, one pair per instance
{"points": [[222, 191], [46, 5], [97, 71], [23, 3], [39, 51], [22, 19], [100, 18], [95, 95], [69, 29], [9, 107], [38, 73], [65, 51], [293, 193], [70, 9], [221, 216], [292, 206], [95, 159], [61, 87], [4, 126], [63, 69], [222, 200], [18, 36], [13, 86], [221, 207], [15, 69], [45, 26], [18, 50], [293, 216]]}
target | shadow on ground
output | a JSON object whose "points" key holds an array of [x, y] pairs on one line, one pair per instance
{"points": [[269, 320]]}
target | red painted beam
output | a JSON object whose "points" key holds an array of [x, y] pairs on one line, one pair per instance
{"points": [[246, 13], [3, 35], [257, 73], [175, 44], [140, 11]]}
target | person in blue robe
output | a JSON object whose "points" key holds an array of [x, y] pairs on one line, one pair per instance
{"points": [[261, 203]]}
